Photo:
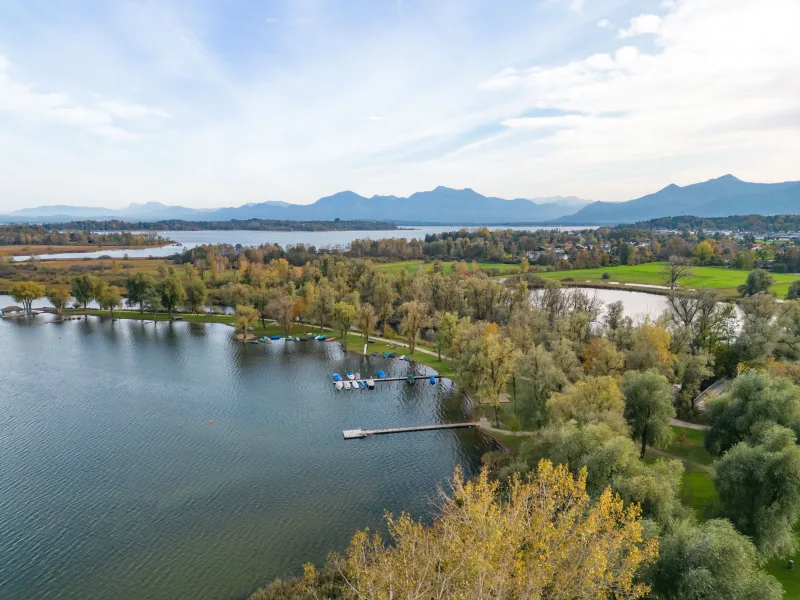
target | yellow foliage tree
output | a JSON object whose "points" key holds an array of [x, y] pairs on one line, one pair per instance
{"points": [[543, 538], [594, 400]]}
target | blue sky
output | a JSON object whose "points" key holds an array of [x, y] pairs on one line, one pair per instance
{"points": [[210, 103]]}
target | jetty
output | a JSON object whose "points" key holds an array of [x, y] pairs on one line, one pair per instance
{"points": [[354, 434], [404, 378]]}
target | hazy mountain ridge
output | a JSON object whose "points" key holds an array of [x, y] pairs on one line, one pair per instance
{"points": [[720, 197], [441, 205]]}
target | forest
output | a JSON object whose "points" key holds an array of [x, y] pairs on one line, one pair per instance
{"points": [[232, 225]]}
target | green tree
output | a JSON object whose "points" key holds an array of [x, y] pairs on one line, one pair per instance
{"points": [[648, 407], [759, 490], [367, 319], [245, 318], [593, 400], [758, 280], [754, 403], [172, 293], [709, 561], [794, 290], [109, 297], [344, 315], [138, 284], [58, 298], [151, 302], [26, 292], [446, 324], [196, 294], [83, 289], [415, 317], [383, 297], [539, 377], [324, 303]]}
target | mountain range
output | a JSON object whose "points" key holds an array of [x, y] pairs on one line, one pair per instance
{"points": [[439, 206], [720, 197]]}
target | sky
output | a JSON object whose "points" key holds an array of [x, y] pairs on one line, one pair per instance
{"points": [[207, 103]]}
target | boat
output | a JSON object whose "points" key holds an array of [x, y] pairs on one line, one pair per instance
{"points": [[407, 358], [363, 385], [393, 354], [346, 385], [302, 339], [410, 378], [376, 354], [321, 338], [296, 339], [289, 338], [337, 377], [370, 383], [387, 355], [339, 385], [330, 339], [402, 357], [313, 336], [432, 379], [358, 375], [381, 375], [274, 337], [351, 375]]}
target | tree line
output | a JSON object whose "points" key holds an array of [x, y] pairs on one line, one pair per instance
{"points": [[49, 235], [231, 225]]}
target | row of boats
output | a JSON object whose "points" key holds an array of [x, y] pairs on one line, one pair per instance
{"points": [[354, 381], [294, 338]]}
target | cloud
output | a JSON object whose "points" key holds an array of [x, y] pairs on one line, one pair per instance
{"points": [[641, 25], [604, 23]]}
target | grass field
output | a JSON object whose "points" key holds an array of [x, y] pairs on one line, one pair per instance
{"points": [[719, 278], [413, 266], [692, 449]]}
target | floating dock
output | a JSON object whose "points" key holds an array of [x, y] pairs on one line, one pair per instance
{"points": [[387, 379], [354, 434]]}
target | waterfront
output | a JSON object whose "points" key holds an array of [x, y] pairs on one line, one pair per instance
{"points": [[319, 239], [116, 484]]}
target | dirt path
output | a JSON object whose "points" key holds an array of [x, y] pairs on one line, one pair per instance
{"points": [[687, 425]]}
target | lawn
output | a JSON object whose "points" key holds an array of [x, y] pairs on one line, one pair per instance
{"points": [[692, 448], [697, 492], [790, 580], [718, 278], [413, 266]]}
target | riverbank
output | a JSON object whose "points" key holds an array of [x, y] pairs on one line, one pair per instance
{"points": [[36, 250]]}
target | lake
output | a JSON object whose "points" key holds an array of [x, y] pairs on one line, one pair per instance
{"points": [[115, 483], [190, 239]]}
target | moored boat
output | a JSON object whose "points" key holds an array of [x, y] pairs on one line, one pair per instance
{"points": [[370, 383], [346, 385], [410, 378], [351, 375], [363, 385], [381, 375], [339, 385]]}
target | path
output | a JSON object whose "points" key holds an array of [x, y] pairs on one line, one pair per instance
{"points": [[658, 452], [687, 425], [484, 424]]}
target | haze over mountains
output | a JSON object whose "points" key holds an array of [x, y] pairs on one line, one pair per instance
{"points": [[721, 197]]}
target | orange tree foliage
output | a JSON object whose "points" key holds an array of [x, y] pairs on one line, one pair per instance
{"points": [[542, 537]]}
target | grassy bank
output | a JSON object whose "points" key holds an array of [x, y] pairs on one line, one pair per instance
{"points": [[718, 278], [36, 250]]}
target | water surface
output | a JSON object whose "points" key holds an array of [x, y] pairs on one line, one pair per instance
{"points": [[116, 485]]}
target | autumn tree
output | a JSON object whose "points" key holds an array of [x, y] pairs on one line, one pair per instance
{"points": [[367, 319], [109, 297], [281, 308], [26, 292], [415, 317], [324, 303], [539, 377], [601, 357], [196, 294], [593, 400], [58, 298], [446, 324], [383, 297], [245, 318], [344, 315], [542, 539], [648, 407]]}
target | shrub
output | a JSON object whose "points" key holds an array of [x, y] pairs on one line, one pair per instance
{"points": [[606, 275]]}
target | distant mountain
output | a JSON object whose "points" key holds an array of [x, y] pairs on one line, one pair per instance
{"points": [[441, 205], [721, 197]]}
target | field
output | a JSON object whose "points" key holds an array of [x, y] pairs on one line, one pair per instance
{"points": [[412, 266], [719, 278]]}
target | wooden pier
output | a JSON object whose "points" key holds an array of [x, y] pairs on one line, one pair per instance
{"points": [[387, 379], [354, 434]]}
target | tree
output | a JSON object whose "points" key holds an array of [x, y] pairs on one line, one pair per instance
{"points": [[755, 402], [709, 561], [138, 284], [540, 377], [759, 490], [281, 308], [651, 350], [109, 297], [83, 288], [196, 294], [26, 292], [58, 298], [367, 320], [648, 407], [794, 290], [324, 303], [245, 318], [675, 269], [151, 302], [593, 400], [344, 315], [415, 318], [758, 280], [172, 293], [528, 543], [383, 297], [446, 324], [694, 369], [600, 357], [760, 330], [703, 252]]}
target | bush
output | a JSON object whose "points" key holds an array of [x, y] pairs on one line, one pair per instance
{"points": [[606, 275]]}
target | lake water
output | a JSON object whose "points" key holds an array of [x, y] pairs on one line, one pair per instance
{"points": [[190, 239], [116, 485]]}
